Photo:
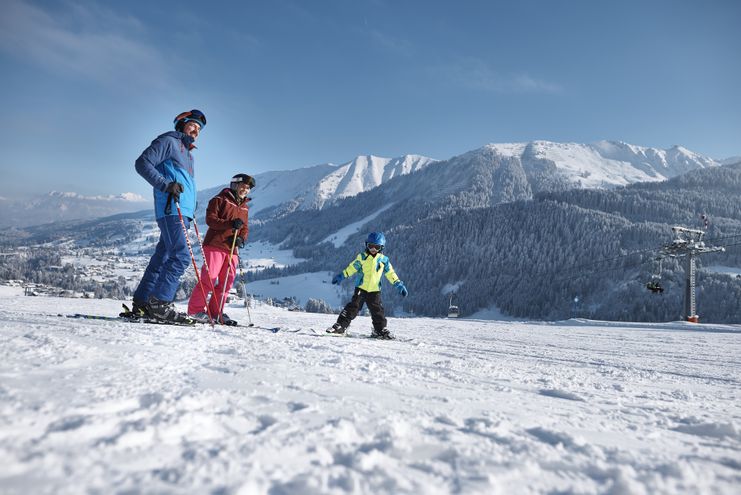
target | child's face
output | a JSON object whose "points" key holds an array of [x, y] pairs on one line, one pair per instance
{"points": [[374, 248]]}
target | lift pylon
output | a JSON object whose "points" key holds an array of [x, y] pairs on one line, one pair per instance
{"points": [[688, 243]]}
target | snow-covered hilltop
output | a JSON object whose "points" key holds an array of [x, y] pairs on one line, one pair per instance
{"points": [[60, 206], [362, 174], [313, 187], [606, 163]]}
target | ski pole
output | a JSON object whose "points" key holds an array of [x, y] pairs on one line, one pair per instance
{"points": [[205, 265], [228, 272], [193, 259], [244, 288]]}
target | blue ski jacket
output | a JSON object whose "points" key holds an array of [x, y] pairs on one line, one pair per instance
{"points": [[169, 159]]}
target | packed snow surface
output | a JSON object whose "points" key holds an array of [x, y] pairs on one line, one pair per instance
{"points": [[92, 406]]}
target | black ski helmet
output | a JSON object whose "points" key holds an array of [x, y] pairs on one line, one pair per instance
{"points": [[192, 115], [240, 178]]}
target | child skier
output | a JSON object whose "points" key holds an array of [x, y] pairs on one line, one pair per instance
{"points": [[226, 217], [370, 266]]}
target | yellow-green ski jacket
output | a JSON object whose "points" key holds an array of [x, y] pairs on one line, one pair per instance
{"points": [[370, 269]]}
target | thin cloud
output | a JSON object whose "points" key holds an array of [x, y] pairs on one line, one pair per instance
{"points": [[86, 41], [475, 74], [391, 43]]}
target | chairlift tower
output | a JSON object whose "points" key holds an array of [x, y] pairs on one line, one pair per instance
{"points": [[688, 243]]}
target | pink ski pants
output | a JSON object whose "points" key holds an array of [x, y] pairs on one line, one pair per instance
{"points": [[217, 267]]}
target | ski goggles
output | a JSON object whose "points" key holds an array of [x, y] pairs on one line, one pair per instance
{"points": [[243, 179], [377, 247], [195, 115]]}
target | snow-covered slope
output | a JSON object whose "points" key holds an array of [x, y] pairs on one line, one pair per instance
{"points": [[313, 187], [464, 407], [362, 174], [606, 163], [277, 187]]}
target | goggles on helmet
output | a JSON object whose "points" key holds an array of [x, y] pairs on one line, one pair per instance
{"points": [[243, 179], [194, 115], [377, 247]]}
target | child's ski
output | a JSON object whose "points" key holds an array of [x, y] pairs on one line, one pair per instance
{"points": [[349, 335]]}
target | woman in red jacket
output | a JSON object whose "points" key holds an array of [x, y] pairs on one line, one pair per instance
{"points": [[226, 216]]}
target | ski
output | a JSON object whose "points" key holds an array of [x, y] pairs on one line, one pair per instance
{"points": [[272, 329], [126, 319], [278, 329], [154, 321], [349, 335]]}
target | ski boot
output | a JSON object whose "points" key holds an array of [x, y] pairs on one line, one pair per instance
{"points": [[139, 310], [201, 317], [225, 320], [166, 313], [336, 329], [381, 334]]}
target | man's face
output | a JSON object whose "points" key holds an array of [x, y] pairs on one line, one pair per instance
{"points": [[192, 129]]}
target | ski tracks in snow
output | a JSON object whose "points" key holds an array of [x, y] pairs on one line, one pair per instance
{"points": [[465, 407]]}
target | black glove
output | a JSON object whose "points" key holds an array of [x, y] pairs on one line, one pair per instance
{"points": [[240, 242], [175, 188], [237, 224]]}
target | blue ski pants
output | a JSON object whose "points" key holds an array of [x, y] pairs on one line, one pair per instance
{"points": [[168, 263]]}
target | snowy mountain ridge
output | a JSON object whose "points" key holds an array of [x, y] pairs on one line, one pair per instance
{"points": [[607, 164], [362, 174], [604, 164], [313, 187], [127, 196], [61, 206]]}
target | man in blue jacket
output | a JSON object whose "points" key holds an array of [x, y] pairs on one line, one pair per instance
{"points": [[167, 164]]}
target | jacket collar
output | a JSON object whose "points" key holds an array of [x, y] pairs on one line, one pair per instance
{"points": [[227, 193], [183, 138]]}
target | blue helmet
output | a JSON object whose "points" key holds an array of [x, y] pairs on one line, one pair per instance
{"points": [[376, 238]]}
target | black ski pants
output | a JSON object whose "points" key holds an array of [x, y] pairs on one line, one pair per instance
{"points": [[375, 306]]}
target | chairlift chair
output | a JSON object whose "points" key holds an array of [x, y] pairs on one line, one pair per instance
{"points": [[453, 310], [654, 285]]}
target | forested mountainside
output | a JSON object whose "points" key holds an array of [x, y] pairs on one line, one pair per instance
{"points": [[533, 257]]}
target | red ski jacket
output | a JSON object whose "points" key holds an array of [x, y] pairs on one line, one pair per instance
{"points": [[222, 210]]}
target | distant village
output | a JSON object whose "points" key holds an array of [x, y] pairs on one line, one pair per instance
{"points": [[94, 273]]}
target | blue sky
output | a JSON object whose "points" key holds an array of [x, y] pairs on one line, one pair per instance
{"points": [[286, 84]]}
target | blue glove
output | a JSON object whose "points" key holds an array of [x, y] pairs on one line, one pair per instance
{"points": [[401, 288], [338, 278]]}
